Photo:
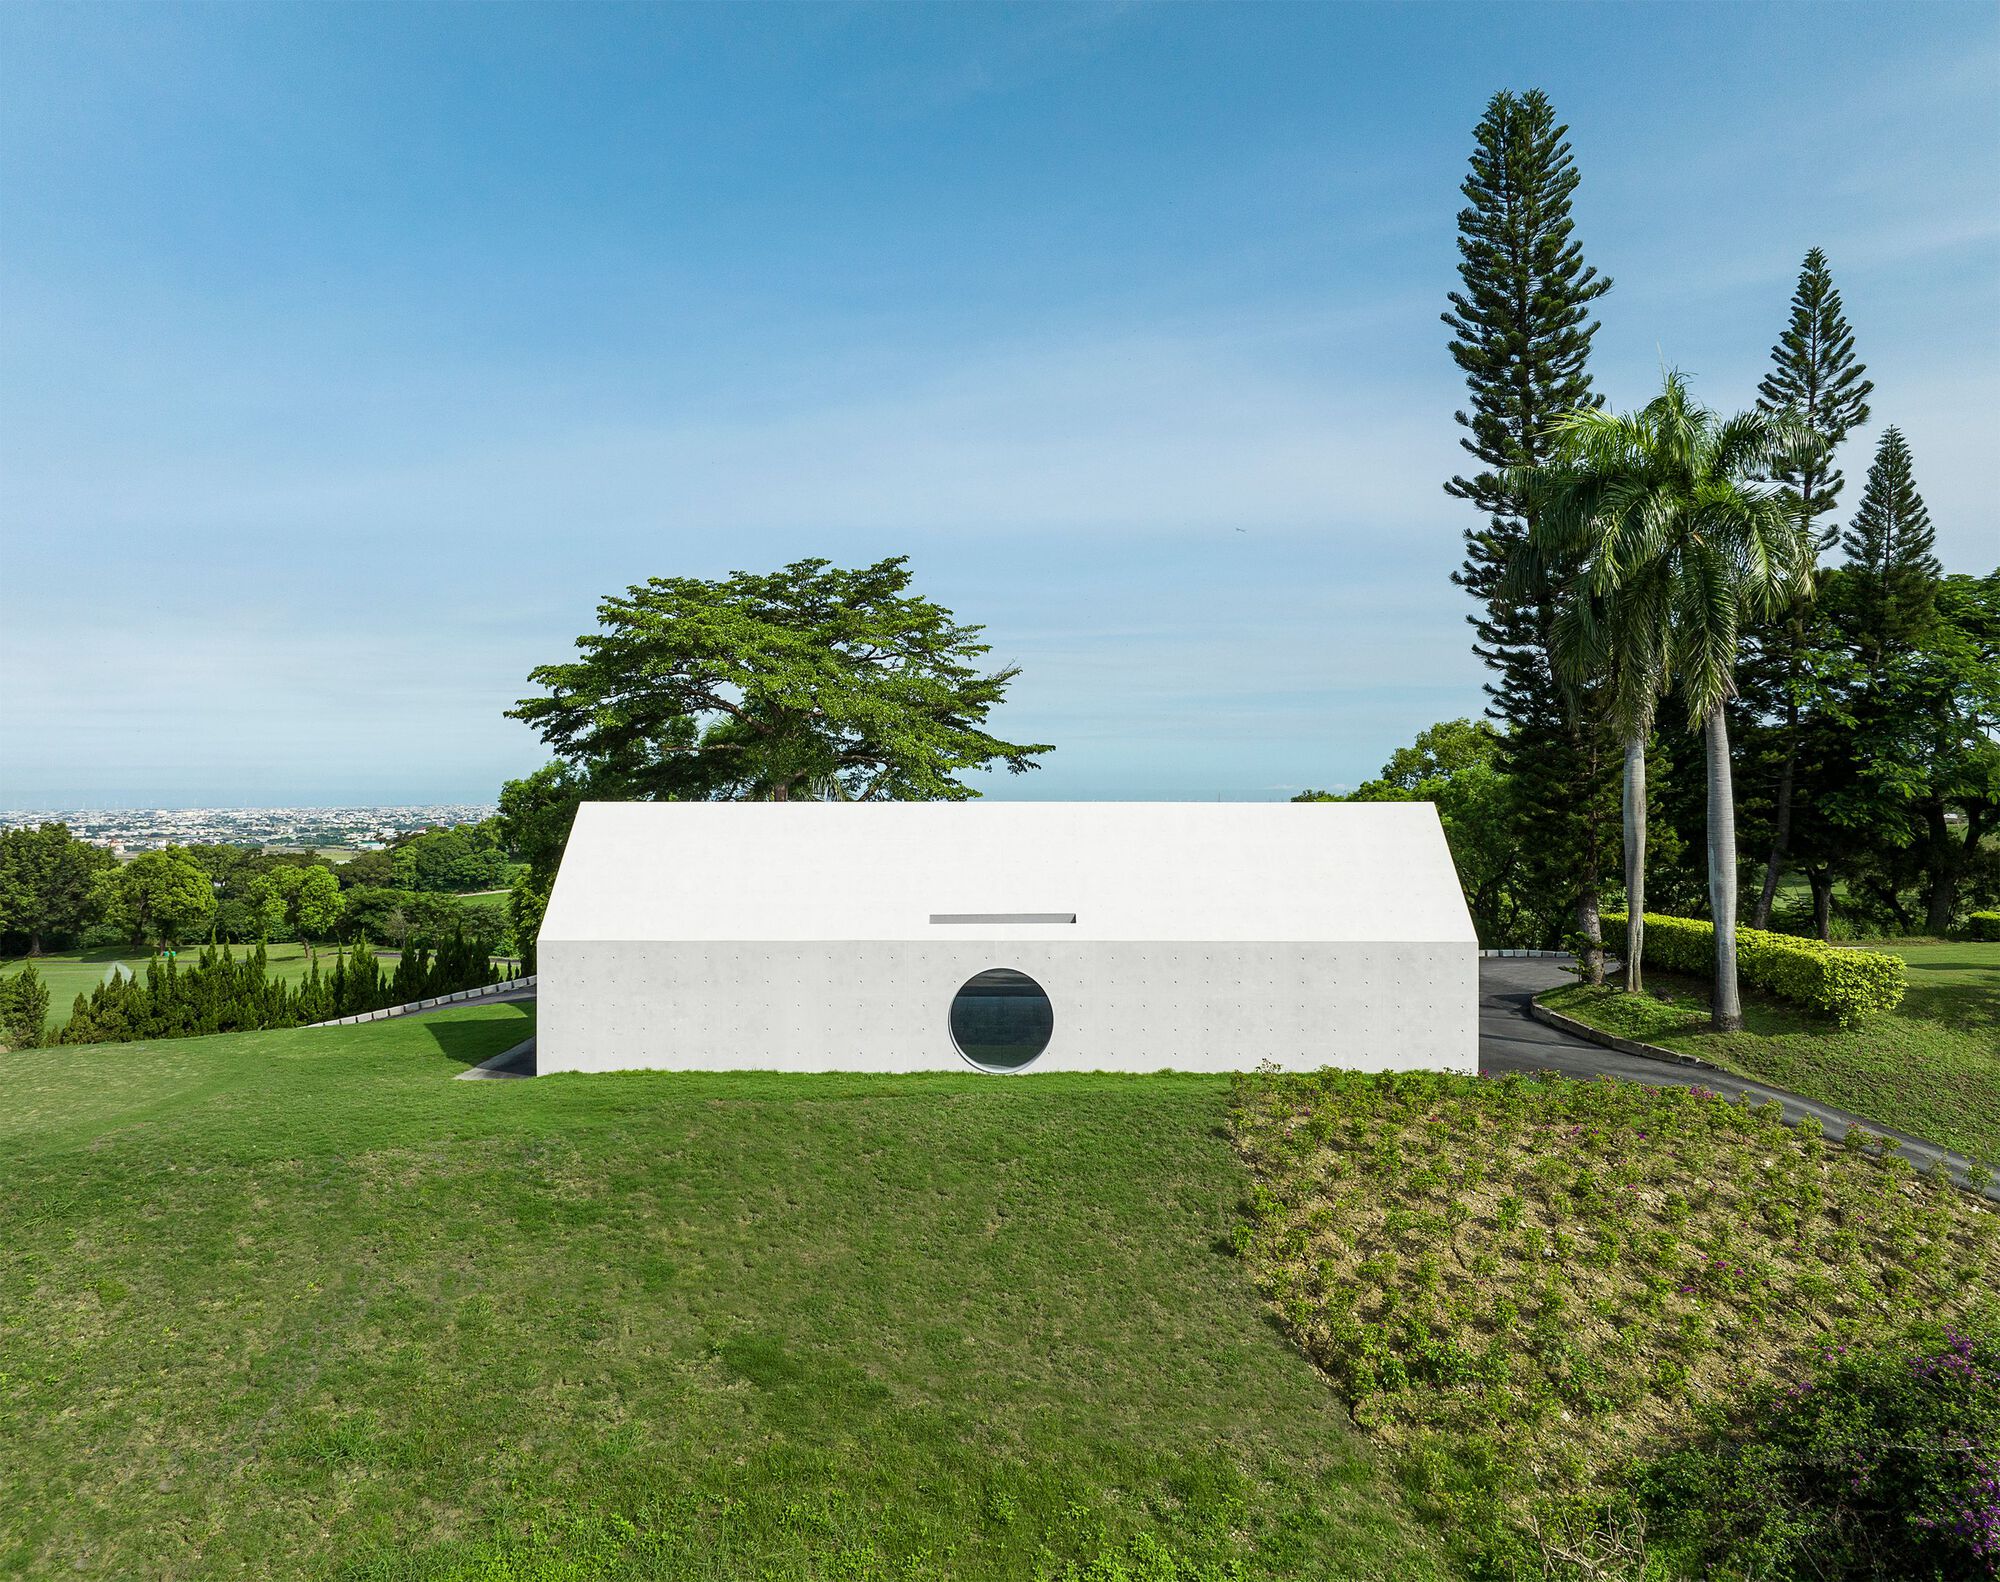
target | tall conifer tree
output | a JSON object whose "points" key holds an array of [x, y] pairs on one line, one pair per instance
{"points": [[1521, 331], [1815, 373], [1889, 545]]}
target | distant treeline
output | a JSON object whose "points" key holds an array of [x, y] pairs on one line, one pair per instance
{"points": [[59, 892], [223, 992]]}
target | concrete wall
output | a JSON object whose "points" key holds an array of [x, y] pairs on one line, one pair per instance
{"points": [[863, 1005]]}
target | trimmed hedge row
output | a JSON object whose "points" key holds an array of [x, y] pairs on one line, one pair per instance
{"points": [[1847, 985], [1983, 925]]}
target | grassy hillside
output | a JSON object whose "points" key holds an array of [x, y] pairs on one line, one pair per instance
{"points": [[293, 1304], [1528, 1287], [1931, 1068]]}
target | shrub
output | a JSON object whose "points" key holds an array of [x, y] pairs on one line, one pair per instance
{"points": [[1845, 984], [1883, 1463], [221, 992], [1983, 925], [24, 1006]]}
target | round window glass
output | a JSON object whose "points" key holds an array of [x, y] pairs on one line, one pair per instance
{"points": [[1001, 1020]]}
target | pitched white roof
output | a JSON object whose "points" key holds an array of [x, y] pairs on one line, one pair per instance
{"points": [[1263, 871]]}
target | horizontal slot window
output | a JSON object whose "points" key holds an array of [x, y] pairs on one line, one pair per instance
{"points": [[1003, 917]]}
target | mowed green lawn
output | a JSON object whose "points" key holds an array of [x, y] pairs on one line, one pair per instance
{"points": [[1932, 1067], [297, 1304]]}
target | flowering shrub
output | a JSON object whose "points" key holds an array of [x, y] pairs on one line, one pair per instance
{"points": [[1845, 984], [1879, 1462]]}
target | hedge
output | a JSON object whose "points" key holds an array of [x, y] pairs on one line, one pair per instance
{"points": [[1983, 925], [1844, 984], [225, 993]]}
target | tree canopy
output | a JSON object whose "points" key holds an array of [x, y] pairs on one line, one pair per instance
{"points": [[457, 859], [809, 682], [47, 877], [159, 898]]}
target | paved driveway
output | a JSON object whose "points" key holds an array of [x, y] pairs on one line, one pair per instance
{"points": [[1511, 1040]]}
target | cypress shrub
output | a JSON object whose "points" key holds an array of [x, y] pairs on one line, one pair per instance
{"points": [[24, 1006], [221, 993], [1848, 985]]}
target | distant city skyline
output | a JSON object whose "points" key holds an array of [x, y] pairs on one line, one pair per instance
{"points": [[351, 354], [144, 829]]}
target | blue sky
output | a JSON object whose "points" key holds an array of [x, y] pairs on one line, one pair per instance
{"points": [[349, 354]]}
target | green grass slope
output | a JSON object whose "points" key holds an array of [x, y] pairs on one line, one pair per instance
{"points": [[296, 1304], [1931, 1067]]}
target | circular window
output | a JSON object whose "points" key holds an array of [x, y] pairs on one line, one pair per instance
{"points": [[1001, 1020]]}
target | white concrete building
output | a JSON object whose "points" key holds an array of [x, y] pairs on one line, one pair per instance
{"points": [[1006, 936]]}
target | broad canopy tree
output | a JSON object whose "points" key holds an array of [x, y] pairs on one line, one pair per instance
{"points": [[1912, 787], [160, 898], [308, 899], [809, 682], [48, 881]]}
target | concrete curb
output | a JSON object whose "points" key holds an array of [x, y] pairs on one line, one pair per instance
{"points": [[485, 991], [1624, 1046]]}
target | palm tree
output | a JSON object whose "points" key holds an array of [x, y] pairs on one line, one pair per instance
{"points": [[1663, 533]]}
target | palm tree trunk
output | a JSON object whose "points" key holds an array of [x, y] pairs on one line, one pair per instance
{"points": [[1635, 861], [1589, 910], [1728, 1004]]}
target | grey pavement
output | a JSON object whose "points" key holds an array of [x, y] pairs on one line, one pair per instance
{"points": [[1512, 1040]]}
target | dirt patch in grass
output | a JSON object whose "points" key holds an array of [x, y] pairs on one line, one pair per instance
{"points": [[1523, 1283]]}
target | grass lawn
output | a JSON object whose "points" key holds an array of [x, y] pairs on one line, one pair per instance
{"points": [[296, 1304], [1931, 1067]]}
